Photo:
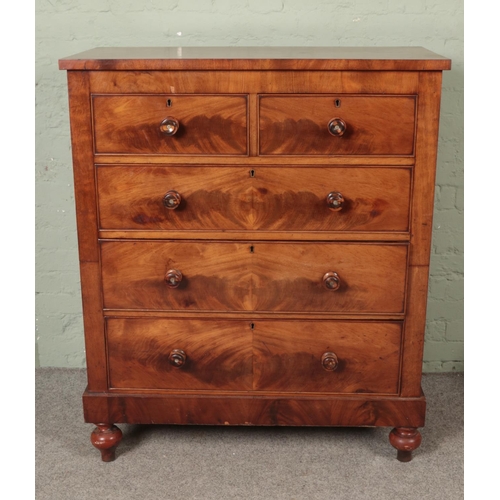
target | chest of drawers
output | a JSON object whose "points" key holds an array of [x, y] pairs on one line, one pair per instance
{"points": [[254, 233]]}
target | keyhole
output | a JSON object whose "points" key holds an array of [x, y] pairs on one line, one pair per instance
{"points": [[251, 248], [337, 103], [252, 326], [252, 173], [169, 103]]}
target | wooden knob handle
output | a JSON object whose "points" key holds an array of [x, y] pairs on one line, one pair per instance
{"points": [[177, 358], [331, 281], [172, 200], [337, 127], [335, 201], [173, 278], [169, 126], [330, 361]]}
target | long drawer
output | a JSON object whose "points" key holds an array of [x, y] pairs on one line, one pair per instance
{"points": [[261, 355], [254, 276], [259, 198]]}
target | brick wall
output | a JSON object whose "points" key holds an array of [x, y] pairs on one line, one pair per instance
{"points": [[65, 27]]}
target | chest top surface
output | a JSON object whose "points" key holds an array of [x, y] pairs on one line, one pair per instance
{"points": [[257, 58]]}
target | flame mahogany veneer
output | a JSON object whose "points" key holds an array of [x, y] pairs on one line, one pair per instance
{"points": [[254, 230]]}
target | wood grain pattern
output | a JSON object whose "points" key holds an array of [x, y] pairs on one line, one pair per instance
{"points": [[272, 409], [216, 276], [369, 236], [411, 373], [425, 167], [285, 161], [421, 229], [294, 199], [289, 277], [214, 198], [218, 354], [253, 82], [287, 356], [254, 276], [208, 124], [86, 219], [275, 199], [252, 315], [298, 125], [254, 58]]}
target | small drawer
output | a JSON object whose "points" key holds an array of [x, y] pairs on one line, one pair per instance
{"points": [[185, 198], [336, 125], [187, 354], [327, 356], [170, 124]]}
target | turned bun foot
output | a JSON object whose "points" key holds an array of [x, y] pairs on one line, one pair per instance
{"points": [[106, 437], [405, 440]]}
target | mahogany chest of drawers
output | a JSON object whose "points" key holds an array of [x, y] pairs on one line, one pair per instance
{"points": [[254, 233]]}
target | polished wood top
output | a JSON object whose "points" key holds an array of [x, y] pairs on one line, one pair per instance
{"points": [[257, 58]]}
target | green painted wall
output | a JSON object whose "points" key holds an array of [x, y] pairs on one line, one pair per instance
{"points": [[65, 27]]}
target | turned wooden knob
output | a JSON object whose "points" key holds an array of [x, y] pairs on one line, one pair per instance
{"points": [[177, 358], [169, 126], [173, 278], [337, 127], [405, 440], [172, 200], [331, 281], [330, 361], [106, 437], [335, 201]]}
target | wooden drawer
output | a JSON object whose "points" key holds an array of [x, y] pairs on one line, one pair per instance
{"points": [[274, 199], [292, 356], [207, 124], [295, 199], [262, 355], [254, 276], [375, 125], [292, 277], [209, 197], [210, 354], [215, 276]]}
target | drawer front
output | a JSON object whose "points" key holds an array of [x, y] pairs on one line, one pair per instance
{"points": [[269, 199], [246, 276], [298, 277], [374, 125], [179, 354], [204, 198], [215, 276], [327, 356], [331, 199], [207, 124]]}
